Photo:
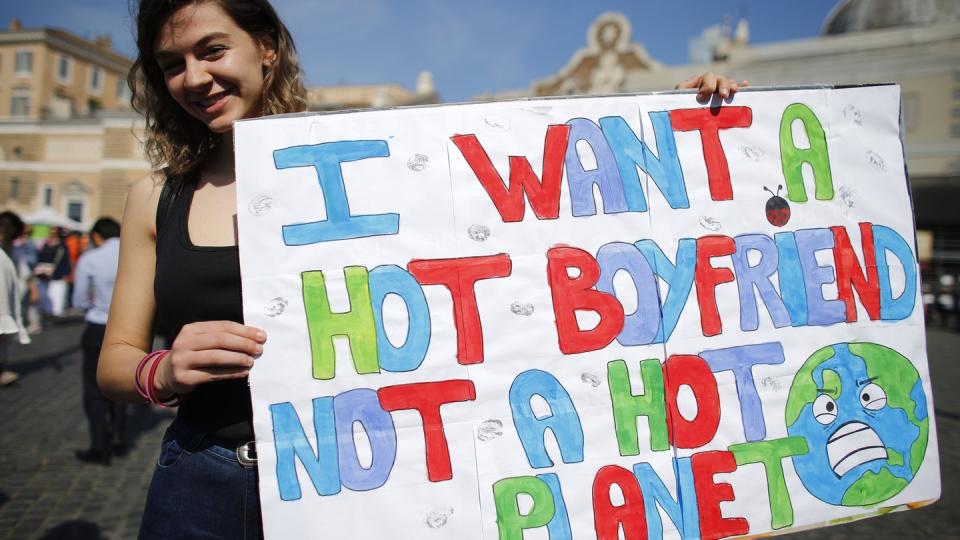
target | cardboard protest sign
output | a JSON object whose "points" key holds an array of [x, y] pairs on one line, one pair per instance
{"points": [[576, 318]]}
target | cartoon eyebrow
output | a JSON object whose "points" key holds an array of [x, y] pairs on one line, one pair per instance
{"points": [[830, 391], [865, 381]]}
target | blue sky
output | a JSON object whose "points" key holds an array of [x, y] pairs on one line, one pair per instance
{"points": [[470, 46]]}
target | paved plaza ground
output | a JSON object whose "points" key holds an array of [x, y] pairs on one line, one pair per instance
{"points": [[45, 493]]}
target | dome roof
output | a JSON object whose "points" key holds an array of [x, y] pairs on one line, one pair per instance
{"points": [[860, 15]]}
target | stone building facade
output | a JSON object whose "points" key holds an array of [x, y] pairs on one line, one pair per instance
{"points": [[335, 98], [69, 141], [80, 168], [51, 74]]}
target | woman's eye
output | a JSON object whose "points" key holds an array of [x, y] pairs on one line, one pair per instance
{"points": [[171, 68], [824, 409], [872, 397], [215, 52]]}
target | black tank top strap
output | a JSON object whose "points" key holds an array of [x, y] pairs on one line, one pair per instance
{"points": [[163, 206]]}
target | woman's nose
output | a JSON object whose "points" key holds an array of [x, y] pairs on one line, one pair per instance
{"points": [[195, 75]]}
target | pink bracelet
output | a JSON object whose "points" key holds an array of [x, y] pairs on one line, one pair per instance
{"points": [[139, 373], [173, 400], [149, 393]]}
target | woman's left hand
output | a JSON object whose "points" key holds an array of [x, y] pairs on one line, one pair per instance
{"points": [[708, 84]]}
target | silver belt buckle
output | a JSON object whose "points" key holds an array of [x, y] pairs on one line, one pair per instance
{"points": [[247, 454]]}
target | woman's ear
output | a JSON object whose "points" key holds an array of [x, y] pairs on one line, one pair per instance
{"points": [[269, 57], [268, 52]]}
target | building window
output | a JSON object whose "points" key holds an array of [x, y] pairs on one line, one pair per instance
{"points": [[14, 189], [63, 68], [61, 106], [20, 102], [17, 152], [95, 79], [23, 63], [48, 196], [123, 91], [75, 210]]}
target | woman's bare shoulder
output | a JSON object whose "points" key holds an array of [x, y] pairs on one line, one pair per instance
{"points": [[147, 187], [142, 199]]}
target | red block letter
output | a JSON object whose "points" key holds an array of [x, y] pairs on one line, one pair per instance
{"points": [[573, 294], [608, 518], [709, 121], [693, 371], [544, 197], [459, 277], [709, 495], [850, 274], [707, 278], [426, 398]]}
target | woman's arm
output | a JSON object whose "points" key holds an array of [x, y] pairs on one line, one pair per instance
{"points": [[130, 324], [202, 352]]}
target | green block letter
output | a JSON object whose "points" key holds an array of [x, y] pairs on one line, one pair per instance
{"points": [[627, 407], [793, 158], [357, 324], [510, 522], [770, 453]]}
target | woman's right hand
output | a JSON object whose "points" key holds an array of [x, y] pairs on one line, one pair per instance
{"points": [[208, 351]]}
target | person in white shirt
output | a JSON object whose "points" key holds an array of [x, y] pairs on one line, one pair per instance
{"points": [[93, 290], [11, 325]]}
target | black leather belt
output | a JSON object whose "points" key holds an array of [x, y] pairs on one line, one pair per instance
{"points": [[237, 437], [246, 451]]}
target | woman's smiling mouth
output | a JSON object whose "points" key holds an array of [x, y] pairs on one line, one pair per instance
{"points": [[213, 103]]}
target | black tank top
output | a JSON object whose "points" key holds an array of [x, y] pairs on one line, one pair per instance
{"points": [[199, 283]]}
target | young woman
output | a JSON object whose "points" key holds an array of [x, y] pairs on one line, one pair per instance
{"points": [[202, 65]]}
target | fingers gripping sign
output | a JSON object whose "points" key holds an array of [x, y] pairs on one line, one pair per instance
{"points": [[209, 351], [710, 83]]}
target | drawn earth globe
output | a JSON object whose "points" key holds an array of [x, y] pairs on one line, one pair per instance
{"points": [[862, 409]]}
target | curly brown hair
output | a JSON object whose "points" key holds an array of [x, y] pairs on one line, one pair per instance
{"points": [[177, 141]]}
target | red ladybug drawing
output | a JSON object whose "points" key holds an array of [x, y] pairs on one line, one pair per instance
{"points": [[778, 209]]}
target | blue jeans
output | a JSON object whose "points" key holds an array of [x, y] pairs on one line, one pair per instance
{"points": [[200, 490]]}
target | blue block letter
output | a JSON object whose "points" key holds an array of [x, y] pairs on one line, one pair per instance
{"points": [[740, 360], [362, 406], [339, 225], [563, 419], [391, 279], [893, 309], [291, 441], [581, 181]]}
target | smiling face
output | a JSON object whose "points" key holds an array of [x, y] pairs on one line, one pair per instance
{"points": [[212, 68], [862, 409]]}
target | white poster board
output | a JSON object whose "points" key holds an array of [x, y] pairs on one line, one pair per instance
{"points": [[572, 318]]}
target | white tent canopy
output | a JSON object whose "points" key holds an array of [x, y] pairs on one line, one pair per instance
{"points": [[49, 216]]}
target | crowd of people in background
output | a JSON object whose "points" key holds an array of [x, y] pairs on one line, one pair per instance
{"points": [[45, 269], [63, 274], [42, 270]]}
